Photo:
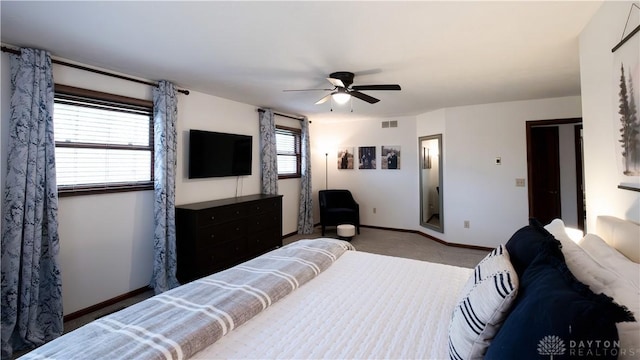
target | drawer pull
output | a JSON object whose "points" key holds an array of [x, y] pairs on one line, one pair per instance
{"points": [[213, 235], [237, 212], [213, 218]]}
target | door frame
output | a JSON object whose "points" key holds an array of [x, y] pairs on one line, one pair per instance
{"points": [[533, 123], [577, 135]]}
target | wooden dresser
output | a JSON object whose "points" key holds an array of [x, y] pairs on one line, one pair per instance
{"points": [[215, 235]]}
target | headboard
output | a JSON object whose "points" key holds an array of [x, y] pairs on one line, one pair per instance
{"points": [[623, 235]]}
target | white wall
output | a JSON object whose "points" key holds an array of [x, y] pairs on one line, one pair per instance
{"points": [[598, 107], [106, 240], [474, 188], [105, 246], [205, 112], [394, 193]]}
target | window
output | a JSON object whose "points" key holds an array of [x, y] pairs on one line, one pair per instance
{"points": [[104, 142], [288, 149]]}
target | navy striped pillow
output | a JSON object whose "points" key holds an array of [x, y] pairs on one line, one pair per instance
{"points": [[484, 303]]}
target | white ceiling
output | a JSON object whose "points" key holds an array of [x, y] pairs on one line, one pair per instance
{"points": [[443, 54]]}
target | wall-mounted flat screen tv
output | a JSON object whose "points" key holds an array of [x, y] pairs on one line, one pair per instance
{"points": [[215, 154]]}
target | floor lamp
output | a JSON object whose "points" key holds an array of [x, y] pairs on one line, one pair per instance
{"points": [[326, 171]]}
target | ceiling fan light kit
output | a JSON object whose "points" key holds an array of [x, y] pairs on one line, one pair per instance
{"points": [[342, 91], [341, 97]]}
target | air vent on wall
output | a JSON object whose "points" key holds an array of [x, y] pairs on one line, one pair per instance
{"points": [[390, 124]]}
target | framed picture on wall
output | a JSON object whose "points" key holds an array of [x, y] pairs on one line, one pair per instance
{"points": [[390, 157], [345, 157], [626, 99], [367, 157]]}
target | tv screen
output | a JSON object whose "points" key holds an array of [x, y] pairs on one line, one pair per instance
{"points": [[214, 154]]}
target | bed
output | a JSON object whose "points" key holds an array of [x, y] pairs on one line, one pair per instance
{"points": [[321, 298]]}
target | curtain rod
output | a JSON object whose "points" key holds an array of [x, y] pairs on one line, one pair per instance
{"points": [[59, 62], [299, 118]]}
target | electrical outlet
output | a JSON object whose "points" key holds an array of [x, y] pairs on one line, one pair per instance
{"points": [[466, 224], [519, 182], [374, 210]]}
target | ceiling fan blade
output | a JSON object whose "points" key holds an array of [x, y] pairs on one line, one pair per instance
{"points": [[377, 87], [336, 82], [365, 97], [323, 100], [309, 90]]}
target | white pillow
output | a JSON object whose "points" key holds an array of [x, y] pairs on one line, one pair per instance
{"points": [[484, 303], [611, 258], [559, 231], [582, 266], [601, 279]]}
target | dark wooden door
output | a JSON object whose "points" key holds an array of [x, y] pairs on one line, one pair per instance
{"points": [[545, 174]]}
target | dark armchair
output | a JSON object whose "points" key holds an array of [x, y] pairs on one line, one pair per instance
{"points": [[338, 207]]}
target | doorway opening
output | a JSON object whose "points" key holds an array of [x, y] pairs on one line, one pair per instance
{"points": [[555, 171]]}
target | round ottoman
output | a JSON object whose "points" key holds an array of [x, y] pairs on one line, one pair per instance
{"points": [[346, 231]]}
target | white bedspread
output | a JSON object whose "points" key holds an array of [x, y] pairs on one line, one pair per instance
{"points": [[363, 306]]}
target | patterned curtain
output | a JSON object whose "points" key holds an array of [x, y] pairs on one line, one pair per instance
{"points": [[31, 281], [305, 213], [165, 116], [268, 154]]}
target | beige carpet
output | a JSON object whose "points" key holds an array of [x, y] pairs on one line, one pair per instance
{"points": [[404, 244]]}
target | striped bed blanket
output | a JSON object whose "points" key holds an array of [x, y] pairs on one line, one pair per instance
{"points": [[180, 322]]}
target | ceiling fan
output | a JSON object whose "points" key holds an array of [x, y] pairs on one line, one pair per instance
{"points": [[343, 91]]}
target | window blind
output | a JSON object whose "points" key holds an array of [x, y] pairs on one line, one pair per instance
{"points": [[101, 143], [287, 147]]}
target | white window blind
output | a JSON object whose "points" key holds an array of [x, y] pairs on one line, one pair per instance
{"points": [[101, 144], [288, 149]]}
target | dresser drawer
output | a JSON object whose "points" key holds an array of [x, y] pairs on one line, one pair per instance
{"points": [[258, 207], [263, 221], [217, 234], [264, 240], [218, 255], [220, 215]]}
